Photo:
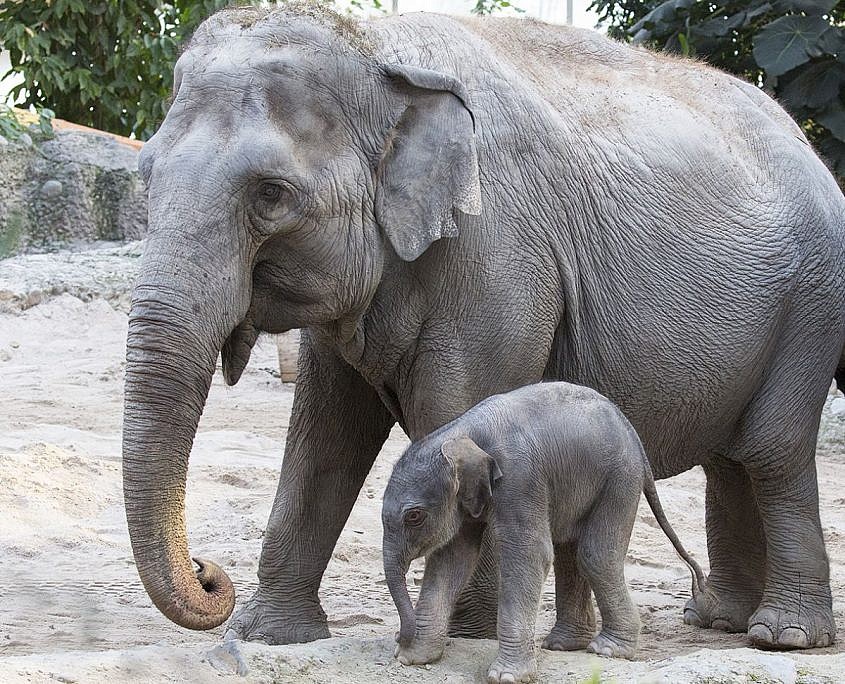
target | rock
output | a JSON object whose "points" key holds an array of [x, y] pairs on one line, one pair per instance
{"points": [[51, 188], [837, 407], [106, 272], [25, 139], [78, 187], [228, 659]]}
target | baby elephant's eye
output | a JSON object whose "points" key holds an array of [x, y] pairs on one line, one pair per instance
{"points": [[415, 517]]}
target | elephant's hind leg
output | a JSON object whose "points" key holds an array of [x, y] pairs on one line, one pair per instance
{"points": [[476, 612], [736, 546], [796, 608], [776, 444], [575, 625]]}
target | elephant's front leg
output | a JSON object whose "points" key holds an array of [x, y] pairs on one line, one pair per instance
{"points": [[526, 556], [337, 428], [446, 572]]}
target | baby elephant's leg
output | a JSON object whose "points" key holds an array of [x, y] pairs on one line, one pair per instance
{"points": [[601, 556], [525, 558], [446, 572], [575, 626]]}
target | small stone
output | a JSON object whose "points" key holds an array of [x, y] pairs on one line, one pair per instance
{"points": [[51, 188], [837, 406], [14, 344], [25, 139], [228, 659]]}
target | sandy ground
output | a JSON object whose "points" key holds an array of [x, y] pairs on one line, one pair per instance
{"points": [[73, 609]]}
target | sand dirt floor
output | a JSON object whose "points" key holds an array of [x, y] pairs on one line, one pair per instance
{"points": [[72, 608]]}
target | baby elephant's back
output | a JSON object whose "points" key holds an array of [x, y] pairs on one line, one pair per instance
{"points": [[578, 439]]}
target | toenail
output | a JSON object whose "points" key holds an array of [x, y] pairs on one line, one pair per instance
{"points": [[761, 635], [793, 637], [691, 617], [722, 624]]}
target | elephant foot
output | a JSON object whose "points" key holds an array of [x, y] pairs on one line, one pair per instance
{"points": [[277, 622], [420, 652], [474, 621], [710, 611], [612, 647], [777, 628], [512, 670], [565, 637]]}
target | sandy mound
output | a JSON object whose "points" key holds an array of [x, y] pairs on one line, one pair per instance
{"points": [[72, 607]]}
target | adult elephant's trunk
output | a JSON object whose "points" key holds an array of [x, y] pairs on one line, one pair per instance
{"points": [[395, 570], [180, 317]]}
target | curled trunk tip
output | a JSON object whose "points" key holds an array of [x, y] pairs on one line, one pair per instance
{"points": [[216, 582]]}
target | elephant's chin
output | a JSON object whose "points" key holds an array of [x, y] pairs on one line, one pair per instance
{"points": [[237, 349]]}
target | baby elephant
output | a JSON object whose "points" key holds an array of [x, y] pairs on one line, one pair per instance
{"points": [[556, 471]]}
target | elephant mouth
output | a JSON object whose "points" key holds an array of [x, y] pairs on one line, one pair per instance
{"points": [[237, 349]]}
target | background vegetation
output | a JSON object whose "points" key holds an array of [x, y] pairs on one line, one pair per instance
{"points": [[793, 49], [103, 63]]}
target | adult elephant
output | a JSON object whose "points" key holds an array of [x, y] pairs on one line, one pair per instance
{"points": [[454, 208]]}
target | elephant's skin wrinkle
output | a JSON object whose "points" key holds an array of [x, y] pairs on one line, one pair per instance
{"points": [[468, 206]]}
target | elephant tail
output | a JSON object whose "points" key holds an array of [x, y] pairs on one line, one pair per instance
{"points": [[650, 491]]}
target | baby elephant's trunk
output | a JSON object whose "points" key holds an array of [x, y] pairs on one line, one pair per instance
{"points": [[650, 491], [394, 572]]}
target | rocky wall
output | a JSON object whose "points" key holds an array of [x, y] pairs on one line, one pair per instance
{"points": [[78, 187]]}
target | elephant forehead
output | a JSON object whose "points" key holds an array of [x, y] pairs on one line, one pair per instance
{"points": [[294, 89]]}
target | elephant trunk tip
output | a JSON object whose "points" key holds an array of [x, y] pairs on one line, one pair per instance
{"points": [[216, 583], [210, 609]]}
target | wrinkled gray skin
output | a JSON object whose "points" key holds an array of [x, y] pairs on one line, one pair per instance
{"points": [[553, 472], [457, 208]]}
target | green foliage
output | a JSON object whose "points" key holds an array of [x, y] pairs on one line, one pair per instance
{"points": [[362, 5], [101, 63], [794, 49], [483, 7], [13, 127]]}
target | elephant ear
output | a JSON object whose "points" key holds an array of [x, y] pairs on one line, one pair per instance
{"points": [[477, 472], [429, 165]]}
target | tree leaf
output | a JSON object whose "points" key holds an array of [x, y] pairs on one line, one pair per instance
{"points": [[662, 14], [810, 7], [787, 42], [812, 86], [833, 118]]}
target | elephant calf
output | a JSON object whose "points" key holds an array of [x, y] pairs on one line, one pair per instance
{"points": [[556, 471]]}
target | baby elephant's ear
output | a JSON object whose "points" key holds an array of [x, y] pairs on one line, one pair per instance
{"points": [[476, 471]]}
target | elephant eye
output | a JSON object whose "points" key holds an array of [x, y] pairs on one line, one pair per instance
{"points": [[415, 517], [271, 192]]}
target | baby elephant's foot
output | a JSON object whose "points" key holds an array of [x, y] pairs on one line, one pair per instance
{"points": [[567, 638], [512, 670], [420, 652], [606, 645]]}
